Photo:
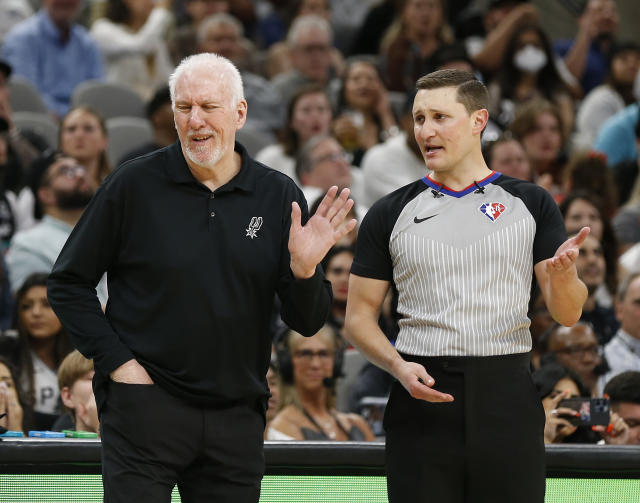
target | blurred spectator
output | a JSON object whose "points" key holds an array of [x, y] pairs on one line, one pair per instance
{"points": [[273, 381], [587, 172], [6, 297], [417, 32], [64, 190], [392, 164], [538, 127], [160, 114], [11, 218], [223, 34], [309, 40], [26, 145], [580, 209], [617, 139], [83, 136], [529, 73], [132, 38], [13, 12], [38, 351], [309, 367], [308, 114], [10, 403], [506, 156], [609, 98], [576, 348], [337, 266], [375, 24], [624, 392], [183, 40], [555, 383], [586, 55], [75, 377], [363, 117], [625, 174], [591, 268], [623, 351], [322, 163], [53, 52], [501, 21]]}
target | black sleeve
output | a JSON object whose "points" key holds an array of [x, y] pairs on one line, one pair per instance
{"points": [[550, 229], [372, 258], [306, 303], [87, 254]]}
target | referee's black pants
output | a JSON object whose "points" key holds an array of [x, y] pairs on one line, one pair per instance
{"points": [[152, 441], [485, 446]]}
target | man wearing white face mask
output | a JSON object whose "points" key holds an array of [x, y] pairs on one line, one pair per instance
{"points": [[529, 72]]}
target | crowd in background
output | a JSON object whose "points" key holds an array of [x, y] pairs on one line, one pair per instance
{"points": [[330, 86]]}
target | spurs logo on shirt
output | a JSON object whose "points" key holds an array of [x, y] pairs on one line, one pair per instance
{"points": [[254, 227]]}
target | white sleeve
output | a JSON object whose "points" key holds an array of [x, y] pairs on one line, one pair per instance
{"points": [[114, 40]]}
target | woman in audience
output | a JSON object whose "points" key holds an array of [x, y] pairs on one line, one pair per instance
{"points": [[308, 114], [529, 73], [506, 155], [411, 41], [83, 136], [10, 403], [132, 38], [588, 171], [581, 208], [538, 127], [38, 350], [337, 265], [364, 115], [308, 373], [273, 381]]}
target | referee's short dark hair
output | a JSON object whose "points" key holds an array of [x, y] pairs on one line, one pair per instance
{"points": [[471, 92], [624, 387]]}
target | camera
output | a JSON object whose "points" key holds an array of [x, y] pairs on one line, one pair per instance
{"points": [[592, 410]]}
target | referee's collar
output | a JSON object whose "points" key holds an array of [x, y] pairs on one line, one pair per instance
{"points": [[178, 169]]}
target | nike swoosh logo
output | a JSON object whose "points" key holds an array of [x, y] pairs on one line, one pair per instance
{"points": [[419, 220]]}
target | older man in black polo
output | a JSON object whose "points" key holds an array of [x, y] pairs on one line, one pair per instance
{"points": [[197, 239]]}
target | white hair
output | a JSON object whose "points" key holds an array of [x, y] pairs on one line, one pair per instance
{"points": [[302, 24], [215, 20], [219, 67]]}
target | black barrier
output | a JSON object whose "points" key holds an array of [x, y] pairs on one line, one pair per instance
{"points": [[314, 458]]}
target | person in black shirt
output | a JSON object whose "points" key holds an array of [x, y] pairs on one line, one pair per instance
{"points": [[196, 239]]}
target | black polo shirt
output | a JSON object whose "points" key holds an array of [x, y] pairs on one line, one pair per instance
{"points": [[192, 276]]}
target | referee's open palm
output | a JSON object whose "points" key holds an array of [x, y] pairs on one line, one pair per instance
{"points": [[309, 244], [567, 253]]}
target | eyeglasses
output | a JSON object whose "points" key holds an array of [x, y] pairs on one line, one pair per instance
{"points": [[594, 350], [309, 354], [313, 48], [333, 157], [70, 171]]}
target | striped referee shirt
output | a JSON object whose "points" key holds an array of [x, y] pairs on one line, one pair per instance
{"points": [[461, 261]]}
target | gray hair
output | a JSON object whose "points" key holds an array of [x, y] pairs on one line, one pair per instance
{"points": [[306, 23], [220, 67], [304, 163], [625, 283], [215, 20]]}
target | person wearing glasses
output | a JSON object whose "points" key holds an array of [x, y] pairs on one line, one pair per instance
{"points": [[321, 163], [309, 367], [577, 349], [63, 189]]}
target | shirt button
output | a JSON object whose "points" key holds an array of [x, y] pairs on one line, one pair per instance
{"points": [[213, 213], [213, 196]]}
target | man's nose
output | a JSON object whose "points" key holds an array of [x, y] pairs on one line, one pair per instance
{"points": [[195, 118]]}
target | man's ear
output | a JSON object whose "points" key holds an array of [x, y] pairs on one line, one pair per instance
{"points": [[46, 196], [65, 395], [241, 110], [479, 120]]}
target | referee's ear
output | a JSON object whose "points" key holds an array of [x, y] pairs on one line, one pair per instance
{"points": [[479, 120]]}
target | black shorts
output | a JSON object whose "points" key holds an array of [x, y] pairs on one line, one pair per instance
{"points": [[485, 446]]}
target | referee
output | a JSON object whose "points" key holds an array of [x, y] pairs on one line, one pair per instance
{"points": [[461, 246]]}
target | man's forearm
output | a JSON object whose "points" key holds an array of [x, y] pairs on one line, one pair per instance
{"points": [[566, 294]]}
